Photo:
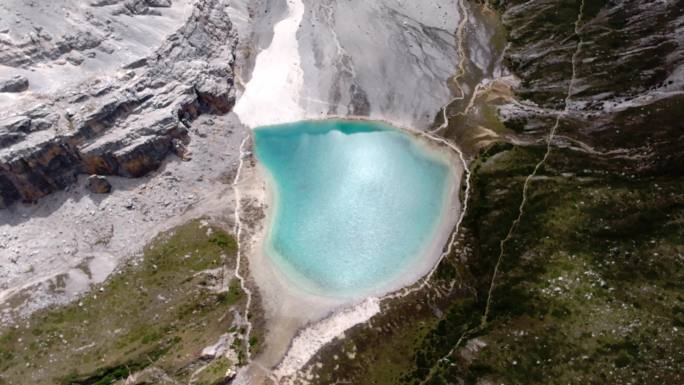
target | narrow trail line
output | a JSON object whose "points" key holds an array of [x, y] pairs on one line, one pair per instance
{"points": [[528, 180], [238, 233], [484, 85], [237, 229], [523, 203]]}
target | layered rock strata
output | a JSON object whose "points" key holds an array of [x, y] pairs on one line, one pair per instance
{"points": [[126, 124]]}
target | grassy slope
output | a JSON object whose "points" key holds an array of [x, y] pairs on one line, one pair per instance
{"points": [[158, 312], [590, 289]]}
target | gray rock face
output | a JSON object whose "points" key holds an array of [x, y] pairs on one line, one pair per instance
{"points": [[15, 84], [627, 87], [126, 125], [42, 47], [98, 184], [360, 58], [159, 3], [15, 128], [60, 43]]}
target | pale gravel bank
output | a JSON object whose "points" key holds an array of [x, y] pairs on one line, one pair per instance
{"points": [[309, 340]]}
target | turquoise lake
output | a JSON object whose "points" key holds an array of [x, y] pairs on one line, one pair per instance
{"points": [[356, 202]]}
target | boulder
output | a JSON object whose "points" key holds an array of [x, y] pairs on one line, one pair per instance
{"points": [[75, 58], [98, 184], [14, 84], [142, 7], [159, 3]]}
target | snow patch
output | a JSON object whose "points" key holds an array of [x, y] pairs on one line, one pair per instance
{"points": [[314, 337], [272, 94]]}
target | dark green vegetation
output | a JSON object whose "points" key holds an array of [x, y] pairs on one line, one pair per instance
{"points": [[590, 283], [156, 315], [589, 291]]}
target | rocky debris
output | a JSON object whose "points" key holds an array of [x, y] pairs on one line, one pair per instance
{"points": [[220, 348], [142, 7], [75, 58], [98, 184], [58, 32], [42, 47], [14, 84], [628, 84], [125, 125], [52, 231]]}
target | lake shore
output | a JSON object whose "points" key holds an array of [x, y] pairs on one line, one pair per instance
{"points": [[301, 321]]}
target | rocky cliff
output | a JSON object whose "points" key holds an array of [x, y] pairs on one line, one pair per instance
{"points": [[125, 124], [613, 70]]}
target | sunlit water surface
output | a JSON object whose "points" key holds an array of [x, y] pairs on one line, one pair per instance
{"points": [[356, 202]]}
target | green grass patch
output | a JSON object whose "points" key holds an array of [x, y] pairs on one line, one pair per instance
{"points": [[160, 311]]}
